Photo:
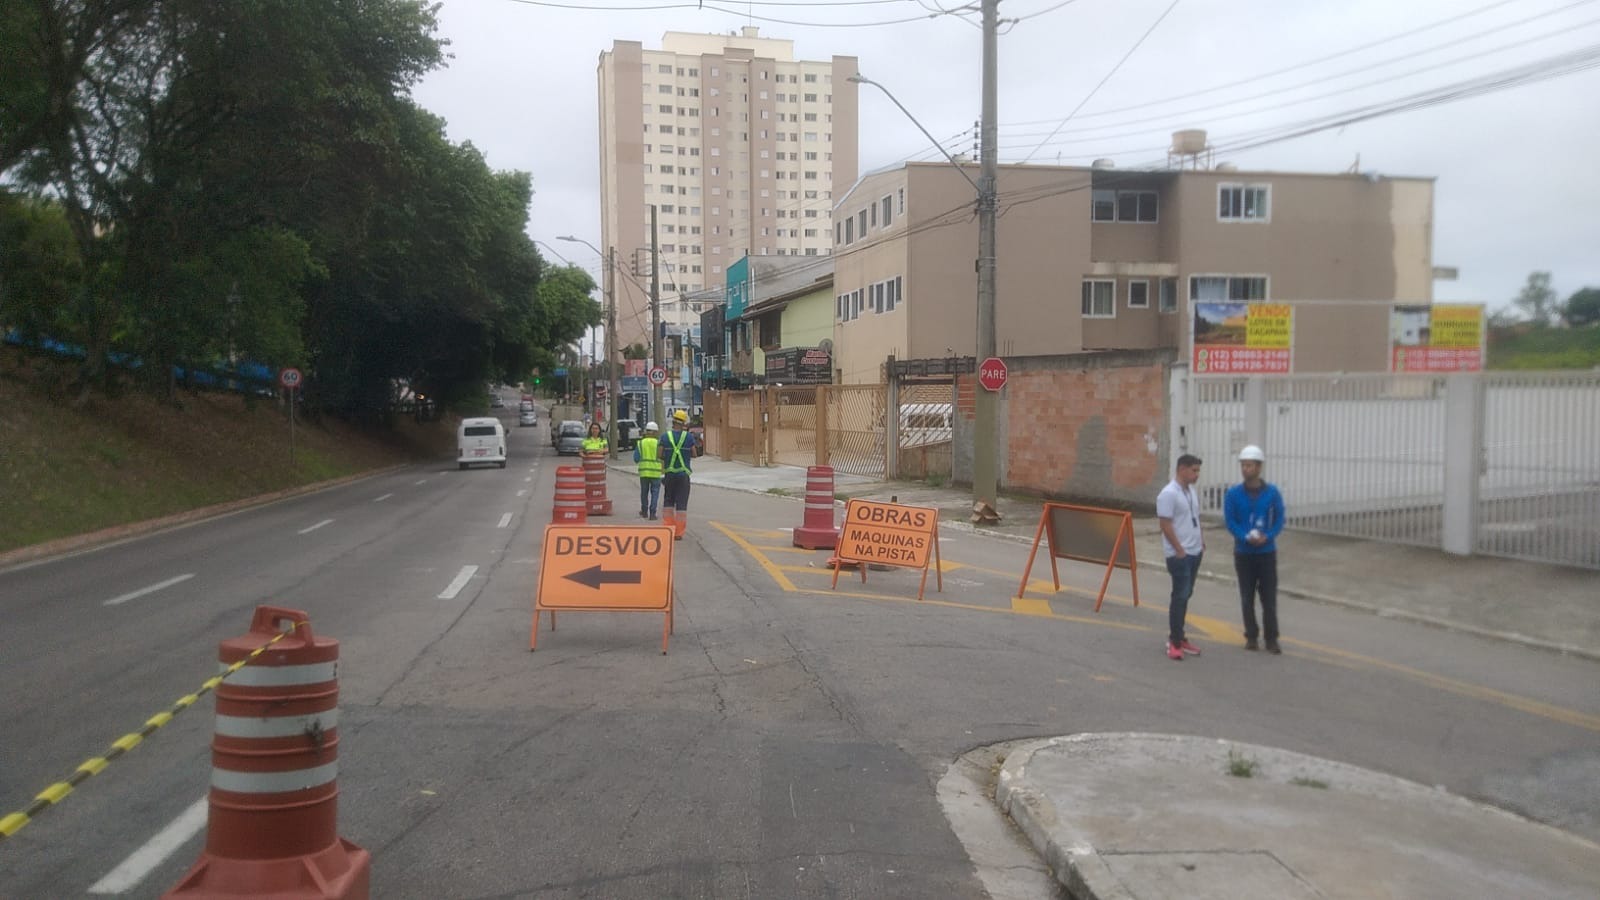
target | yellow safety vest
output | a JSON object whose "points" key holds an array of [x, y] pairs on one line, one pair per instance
{"points": [[649, 457], [675, 462], [594, 445]]}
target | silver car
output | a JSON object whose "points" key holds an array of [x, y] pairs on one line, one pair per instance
{"points": [[527, 417], [569, 438]]}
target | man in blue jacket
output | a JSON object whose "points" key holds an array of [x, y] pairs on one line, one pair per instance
{"points": [[1254, 513]]}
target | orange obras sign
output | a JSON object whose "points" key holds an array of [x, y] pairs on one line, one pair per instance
{"points": [[624, 568], [889, 534]]}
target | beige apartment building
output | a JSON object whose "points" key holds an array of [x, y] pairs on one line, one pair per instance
{"points": [[1106, 259], [738, 146]]}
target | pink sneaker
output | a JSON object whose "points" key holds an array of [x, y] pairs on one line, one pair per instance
{"points": [[1174, 652], [1189, 648]]}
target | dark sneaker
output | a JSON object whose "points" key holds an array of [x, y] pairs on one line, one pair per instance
{"points": [[1250, 644], [1174, 652], [1189, 648], [1273, 648]]}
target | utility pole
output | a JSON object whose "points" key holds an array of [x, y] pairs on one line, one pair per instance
{"points": [[655, 317], [985, 478], [614, 398]]}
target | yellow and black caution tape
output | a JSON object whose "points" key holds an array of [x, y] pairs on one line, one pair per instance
{"points": [[94, 765]]}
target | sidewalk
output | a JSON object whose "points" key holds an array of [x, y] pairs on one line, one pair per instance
{"points": [[1551, 607]]}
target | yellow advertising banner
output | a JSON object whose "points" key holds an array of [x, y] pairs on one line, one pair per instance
{"points": [[1457, 325]]}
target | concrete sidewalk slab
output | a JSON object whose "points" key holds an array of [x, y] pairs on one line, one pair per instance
{"points": [[1147, 816]]}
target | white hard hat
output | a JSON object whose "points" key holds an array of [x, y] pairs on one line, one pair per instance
{"points": [[651, 426], [1252, 453]]}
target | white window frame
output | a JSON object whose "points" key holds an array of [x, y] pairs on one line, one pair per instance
{"points": [[1089, 300], [1162, 305], [1264, 278], [1141, 281], [1264, 218]]}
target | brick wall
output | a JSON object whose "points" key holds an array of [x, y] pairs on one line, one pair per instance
{"points": [[1087, 426]]}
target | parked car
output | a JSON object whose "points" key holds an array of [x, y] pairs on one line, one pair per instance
{"points": [[527, 417], [569, 438]]}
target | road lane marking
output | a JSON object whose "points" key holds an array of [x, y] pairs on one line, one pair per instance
{"points": [[461, 579], [114, 601], [316, 526], [381, 499], [504, 520], [423, 481], [522, 492], [141, 862], [528, 479]]}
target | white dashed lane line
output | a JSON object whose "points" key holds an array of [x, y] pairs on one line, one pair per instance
{"points": [[132, 595], [141, 862], [460, 581], [504, 520], [522, 492], [423, 481], [381, 499], [316, 526]]}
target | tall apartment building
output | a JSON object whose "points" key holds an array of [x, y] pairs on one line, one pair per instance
{"points": [[738, 146]]}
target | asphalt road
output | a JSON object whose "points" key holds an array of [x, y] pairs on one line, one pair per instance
{"points": [[789, 745]]}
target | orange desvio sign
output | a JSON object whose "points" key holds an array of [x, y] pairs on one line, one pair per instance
{"points": [[1088, 534], [624, 568], [891, 535]]}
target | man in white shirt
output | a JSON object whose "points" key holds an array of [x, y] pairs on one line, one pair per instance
{"points": [[1178, 511]]}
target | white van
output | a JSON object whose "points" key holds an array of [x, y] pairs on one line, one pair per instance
{"points": [[481, 440], [922, 424]]}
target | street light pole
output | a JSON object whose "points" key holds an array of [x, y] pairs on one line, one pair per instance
{"points": [[611, 330], [655, 315], [985, 478]]}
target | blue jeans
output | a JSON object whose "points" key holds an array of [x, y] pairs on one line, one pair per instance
{"points": [[1183, 572], [649, 492]]}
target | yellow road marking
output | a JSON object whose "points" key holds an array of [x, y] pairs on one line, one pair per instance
{"points": [[1031, 607], [782, 580]]}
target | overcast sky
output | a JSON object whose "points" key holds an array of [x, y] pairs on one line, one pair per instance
{"points": [[1518, 174]]}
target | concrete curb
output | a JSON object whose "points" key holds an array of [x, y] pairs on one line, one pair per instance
{"points": [[105, 537]]}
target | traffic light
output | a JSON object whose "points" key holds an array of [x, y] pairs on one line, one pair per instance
{"points": [[537, 379]]}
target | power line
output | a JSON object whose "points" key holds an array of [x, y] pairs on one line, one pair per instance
{"points": [[1321, 59], [1097, 87], [1167, 118]]}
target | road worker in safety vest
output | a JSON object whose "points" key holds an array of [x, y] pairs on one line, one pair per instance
{"points": [[678, 447], [595, 443], [647, 453]]}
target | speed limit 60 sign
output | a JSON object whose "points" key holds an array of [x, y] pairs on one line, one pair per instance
{"points": [[289, 378]]}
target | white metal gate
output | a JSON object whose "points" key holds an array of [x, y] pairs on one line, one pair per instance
{"points": [[1365, 456]]}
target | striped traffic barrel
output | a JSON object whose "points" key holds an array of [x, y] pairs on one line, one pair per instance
{"points": [[273, 825], [571, 506], [817, 531], [594, 478]]}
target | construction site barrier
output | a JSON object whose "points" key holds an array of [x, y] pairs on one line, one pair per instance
{"points": [[594, 477], [571, 506], [817, 531], [272, 826], [889, 535], [1087, 534]]}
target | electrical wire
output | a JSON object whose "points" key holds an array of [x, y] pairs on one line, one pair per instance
{"points": [[1101, 84]]}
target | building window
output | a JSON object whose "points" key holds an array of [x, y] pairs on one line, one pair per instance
{"points": [[850, 230], [888, 211], [902, 201], [1232, 288], [1244, 203], [1136, 206], [1103, 206], [1169, 295], [1099, 299], [663, 69], [1138, 295], [862, 224], [874, 210]]}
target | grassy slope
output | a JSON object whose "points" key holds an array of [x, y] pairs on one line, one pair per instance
{"points": [[1546, 348], [67, 469]]}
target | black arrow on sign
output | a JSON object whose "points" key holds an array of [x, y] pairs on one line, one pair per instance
{"points": [[594, 576]]}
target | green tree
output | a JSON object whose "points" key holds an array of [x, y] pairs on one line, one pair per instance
{"points": [[1537, 299], [1583, 308]]}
